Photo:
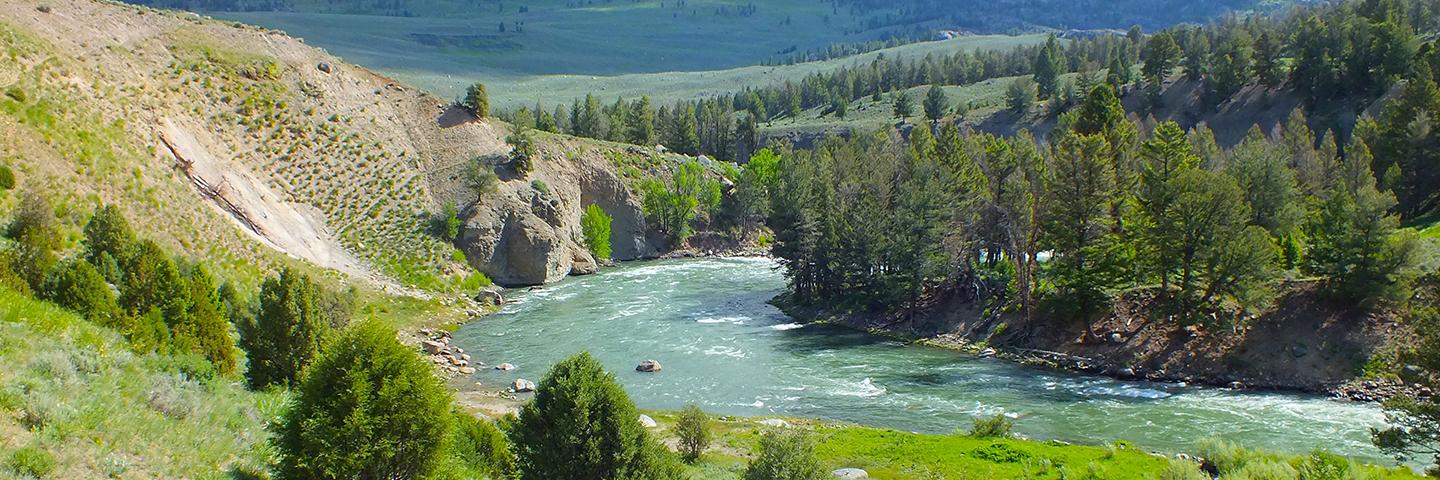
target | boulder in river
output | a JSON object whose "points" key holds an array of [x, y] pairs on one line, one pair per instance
{"points": [[987, 352], [467, 370], [647, 422], [504, 367], [850, 473], [522, 385], [649, 366]]}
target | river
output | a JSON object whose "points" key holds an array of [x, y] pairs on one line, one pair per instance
{"points": [[723, 347]]}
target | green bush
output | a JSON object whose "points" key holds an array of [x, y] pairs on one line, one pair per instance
{"points": [[78, 286], [578, 395], [786, 455], [284, 336], [1227, 457], [1322, 465], [540, 186], [32, 461], [522, 152], [37, 238], [7, 177], [369, 407], [997, 426], [482, 448], [450, 222], [693, 431], [109, 242], [1263, 469], [595, 226], [1182, 470]]}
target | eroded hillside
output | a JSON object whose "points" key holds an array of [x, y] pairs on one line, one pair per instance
{"points": [[225, 139]]}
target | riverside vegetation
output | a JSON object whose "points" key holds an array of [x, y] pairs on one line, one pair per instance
{"points": [[127, 357]]}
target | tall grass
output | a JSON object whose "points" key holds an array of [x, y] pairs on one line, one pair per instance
{"points": [[75, 393]]}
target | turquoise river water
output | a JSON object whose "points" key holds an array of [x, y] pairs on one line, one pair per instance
{"points": [[723, 347]]}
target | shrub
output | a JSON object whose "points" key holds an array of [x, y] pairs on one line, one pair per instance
{"points": [[477, 100], [285, 335], [450, 221], [369, 408], [577, 395], [7, 177], [37, 237], [109, 242], [1182, 470], [1322, 465], [595, 225], [78, 286], [1263, 470], [540, 186], [693, 432], [785, 456], [481, 178], [482, 448], [522, 152], [32, 461], [997, 426], [1227, 457]]}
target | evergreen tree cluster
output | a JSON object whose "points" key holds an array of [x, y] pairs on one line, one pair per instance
{"points": [[119, 280], [1105, 204]]}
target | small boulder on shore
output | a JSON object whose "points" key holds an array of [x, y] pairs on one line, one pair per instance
{"points": [[647, 422], [522, 385], [987, 353], [850, 473], [432, 347], [649, 366]]}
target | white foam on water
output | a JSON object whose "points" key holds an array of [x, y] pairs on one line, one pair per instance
{"points": [[786, 326], [733, 320], [725, 350], [864, 388]]}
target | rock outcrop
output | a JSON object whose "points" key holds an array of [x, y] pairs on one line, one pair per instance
{"points": [[521, 236]]}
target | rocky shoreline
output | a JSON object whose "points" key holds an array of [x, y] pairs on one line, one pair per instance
{"points": [[1354, 389]]}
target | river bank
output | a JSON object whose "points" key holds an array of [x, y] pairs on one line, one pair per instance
{"points": [[1302, 343]]}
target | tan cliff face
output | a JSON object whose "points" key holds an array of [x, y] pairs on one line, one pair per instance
{"points": [[247, 136]]}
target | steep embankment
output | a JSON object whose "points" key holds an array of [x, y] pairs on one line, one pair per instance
{"points": [[225, 139], [1300, 342]]}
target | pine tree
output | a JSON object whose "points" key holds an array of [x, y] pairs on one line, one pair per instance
{"points": [[1049, 64], [477, 100], [903, 106], [935, 103], [284, 336]]}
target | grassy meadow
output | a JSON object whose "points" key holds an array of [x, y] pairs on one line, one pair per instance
{"points": [[566, 53]]}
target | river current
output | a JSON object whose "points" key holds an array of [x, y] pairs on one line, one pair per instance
{"points": [[723, 347]]}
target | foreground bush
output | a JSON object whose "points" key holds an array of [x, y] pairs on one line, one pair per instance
{"points": [[693, 433], [581, 425], [785, 456], [998, 426], [369, 408], [481, 448]]}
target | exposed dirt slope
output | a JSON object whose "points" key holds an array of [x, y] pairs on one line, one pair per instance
{"points": [[315, 158]]}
